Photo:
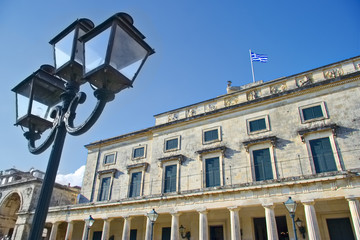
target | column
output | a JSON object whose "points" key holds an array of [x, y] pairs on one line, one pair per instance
{"points": [[54, 230], [148, 229], [311, 221], [126, 230], [175, 226], [86, 232], [106, 229], [271, 228], [69, 230], [203, 225], [355, 215], [235, 223]]}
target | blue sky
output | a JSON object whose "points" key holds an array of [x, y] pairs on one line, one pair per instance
{"points": [[200, 45]]}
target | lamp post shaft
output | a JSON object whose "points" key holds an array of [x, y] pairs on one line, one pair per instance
{"points": [[294, 226], [48, 184], [152, 230]]}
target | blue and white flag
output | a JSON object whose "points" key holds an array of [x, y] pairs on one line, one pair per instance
{"points": [[259, 57]]}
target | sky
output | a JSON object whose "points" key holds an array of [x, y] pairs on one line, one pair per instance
{"points": [[199, 44]]}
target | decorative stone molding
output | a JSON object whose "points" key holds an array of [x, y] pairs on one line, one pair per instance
{"points": [[190, 112], [271, 139], [304, 132], [142, 166], [180, 158], [173, 117], [231, 101], [304, 81], [333, 73], [252, 95], [210, 107], [102, 172], [208, 150], [278, 88]]}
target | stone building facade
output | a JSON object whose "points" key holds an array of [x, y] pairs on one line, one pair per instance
{"points": [[19, 192], [223, 168]]}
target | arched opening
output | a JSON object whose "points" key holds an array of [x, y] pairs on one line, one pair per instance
{"points": [[8, 214]]}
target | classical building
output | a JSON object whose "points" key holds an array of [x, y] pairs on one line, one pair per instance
{"points": [[19, 192], [222, 168]]}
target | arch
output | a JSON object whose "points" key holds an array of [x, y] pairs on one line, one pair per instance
{"points": [[8, 213]]}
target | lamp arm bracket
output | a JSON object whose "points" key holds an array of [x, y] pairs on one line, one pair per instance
{"points": [[32, 136], [103, 97]]}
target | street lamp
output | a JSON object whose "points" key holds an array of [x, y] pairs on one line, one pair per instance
{"points": [[302, 229], [152, 215], [291, 207], [88, 222], [183, 233], [108, 56]]}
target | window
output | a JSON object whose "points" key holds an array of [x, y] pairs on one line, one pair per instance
{"points": [[262, 164], [170, 178], [135, 184], [322, 154], [313, 112], [104, 189], [212, 175], [259, 124], [133, 234], [211, 135], [139, 152], [109, 158], [172, 144]]}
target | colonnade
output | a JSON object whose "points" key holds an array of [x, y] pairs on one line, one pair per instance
{"points": [[312, 227]]}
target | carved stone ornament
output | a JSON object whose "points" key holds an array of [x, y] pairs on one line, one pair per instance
{"points": [[278, 88], [231, 101], [191, 112], [306, 80], [253, 95], [28, 191], [357, 66], [333, 73], [173, 117], [210, 107]]}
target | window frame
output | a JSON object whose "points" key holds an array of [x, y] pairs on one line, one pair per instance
{"points": [[259, 146], [138, 147], [168, 161], [267, 124], [102, 175], [323, 110], [219, 153], [109, 154], [131, 184], [317, 135], [172, 149], [219, 139], [141, 167]]}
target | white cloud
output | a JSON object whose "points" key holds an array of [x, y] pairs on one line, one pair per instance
{"points": [[75, 179]]}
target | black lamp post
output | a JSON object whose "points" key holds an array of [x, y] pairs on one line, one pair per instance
{"points": [[88, 222], [183, 233], [108, 56], [152, 215], [291, 207]]}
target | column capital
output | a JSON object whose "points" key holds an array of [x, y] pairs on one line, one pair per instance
{"points": [[173, 213], [351, 198], [202, 210], [268, 205], [308, 202], [234, 208]]}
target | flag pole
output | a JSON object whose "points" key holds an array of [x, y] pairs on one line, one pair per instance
{"points": [[252, 66]]}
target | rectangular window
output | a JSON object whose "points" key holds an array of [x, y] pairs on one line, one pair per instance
{"points": [[139, 152], [109, 159], [257, 125], [211, 135], [212, 172], [312, 113], [323, 155], [172, 144], [104, 189], [170, 179], [133, 233], [262, 164], [135, 184]]}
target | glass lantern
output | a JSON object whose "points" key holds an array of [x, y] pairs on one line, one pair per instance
{"points": [[36, 97], [114, 53], [290, 205], [68, 50]]}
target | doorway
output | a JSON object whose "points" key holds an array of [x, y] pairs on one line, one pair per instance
{"points": [[216, 233], [340, 228]]}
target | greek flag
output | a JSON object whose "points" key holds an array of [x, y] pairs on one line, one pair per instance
{"points": [[259, 57]]}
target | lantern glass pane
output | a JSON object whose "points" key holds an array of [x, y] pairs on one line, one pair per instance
{"points": [[95, 50], [63, 49], [22, 105], [79, 55], [127, 54]]}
